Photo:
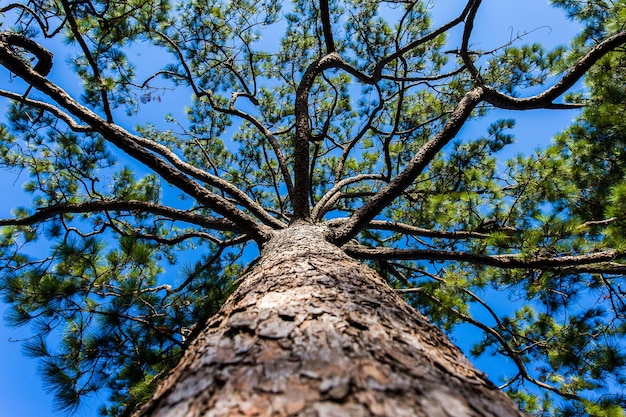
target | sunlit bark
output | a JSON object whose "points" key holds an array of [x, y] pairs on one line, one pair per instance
{"points": [[312, 332]]}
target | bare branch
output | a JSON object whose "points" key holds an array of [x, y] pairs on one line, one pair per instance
{"points": [[432, 35], [602, 222], [41, 23], [614, 268], [467, 31], [179, 238], [92, 62], [424, 79]]}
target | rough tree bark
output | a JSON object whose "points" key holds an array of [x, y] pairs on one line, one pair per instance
{"points": [[311, 332]]}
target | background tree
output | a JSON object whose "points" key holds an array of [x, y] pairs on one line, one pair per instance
{"points": [[351, 122]]}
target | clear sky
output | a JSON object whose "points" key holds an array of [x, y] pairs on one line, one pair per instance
{"points": [[22, 393]]}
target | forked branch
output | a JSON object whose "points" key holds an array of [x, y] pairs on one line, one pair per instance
{"points": [[302, 137], [416, 43]]}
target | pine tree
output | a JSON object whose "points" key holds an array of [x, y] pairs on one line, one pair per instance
{"points": [[323, 140]]}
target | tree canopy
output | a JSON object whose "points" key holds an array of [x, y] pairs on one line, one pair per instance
{"points": [[345, 113]]}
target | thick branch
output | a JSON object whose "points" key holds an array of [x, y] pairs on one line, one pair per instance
{"points": [[377, 72], [423, 78], [546, 98], [130, 206], [460, 115], [300, 199], [44, 57], [134, 146], [326, 26], [584, 262], [419, 231], [404, 179], [467, 31], [170, 156], [213, 180]]}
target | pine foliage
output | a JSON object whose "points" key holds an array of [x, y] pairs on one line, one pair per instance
{"points": [[347, 113]]}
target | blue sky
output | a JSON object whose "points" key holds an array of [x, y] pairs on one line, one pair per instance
{"points": [[22, 393]]}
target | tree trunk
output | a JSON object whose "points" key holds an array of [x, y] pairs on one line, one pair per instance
{"points": [[311, 332]]}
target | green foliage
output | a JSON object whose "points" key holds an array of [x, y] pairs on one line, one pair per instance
{"points": [[115, 326], [116, 265]]}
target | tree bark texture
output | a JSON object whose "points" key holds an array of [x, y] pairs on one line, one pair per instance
{"points": [[312, 332]]}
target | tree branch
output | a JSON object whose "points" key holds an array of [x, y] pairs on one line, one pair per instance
{"points": [[432, 35], [271, 138], [136, 147], [92, 62], [251, 119], [419, 231], [404, 179], [282, 163], [467, 31], [167, 240], [326, 27], [545, 99], [43, 25], [341, 162], [592, 223], [49, 108], [459, 116], [324, 204], [509, 351], [44, 57], [302, 137], [132, 205], [578, 263]]}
